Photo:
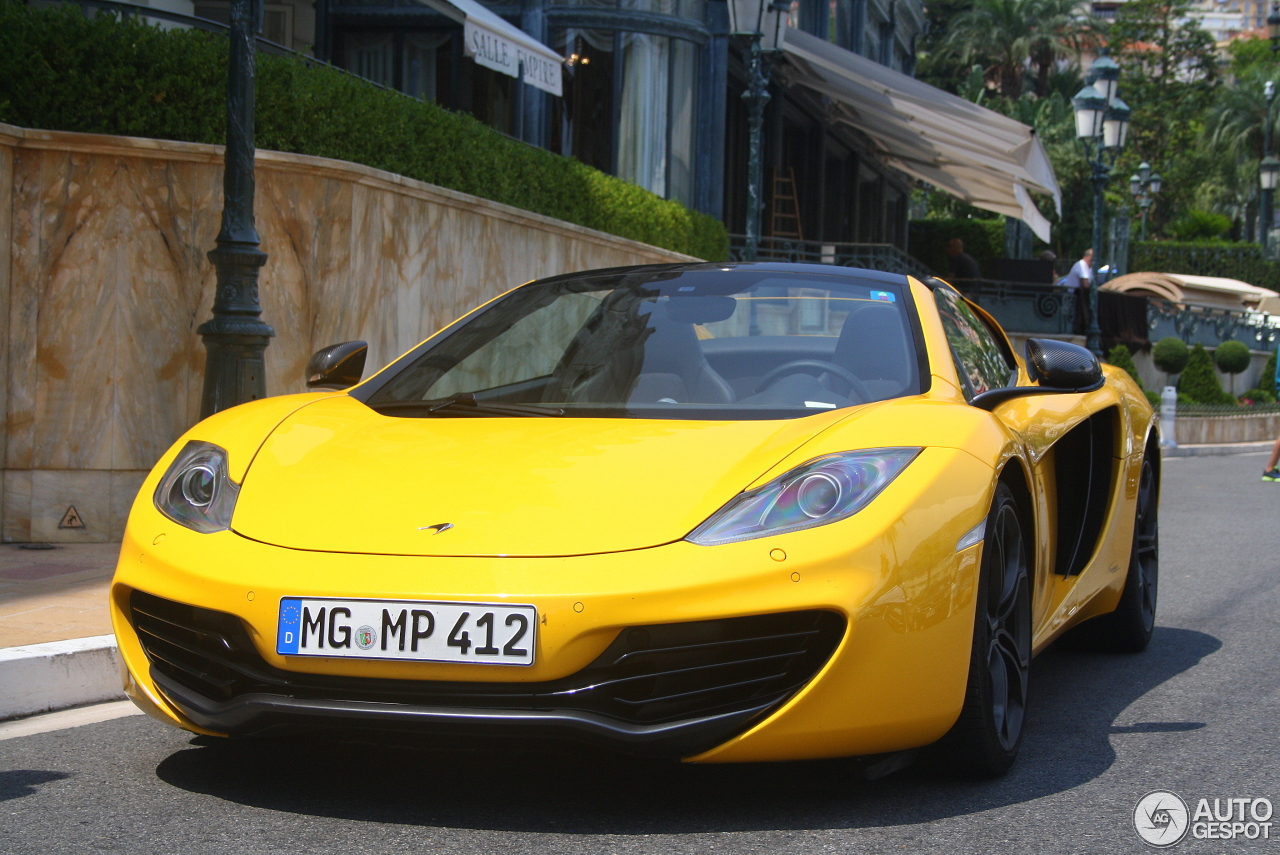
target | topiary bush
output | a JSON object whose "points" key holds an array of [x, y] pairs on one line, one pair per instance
{"points": [[1199, 382], [1120, 357], [1232, 357], [1170, 355], [61, 70]]}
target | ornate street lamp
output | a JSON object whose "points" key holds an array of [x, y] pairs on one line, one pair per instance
{"points": [[1102, 124], [236, 337], [761, 21], [1144, 185]]}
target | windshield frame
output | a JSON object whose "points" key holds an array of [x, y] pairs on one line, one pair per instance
{"points": [[368, 391]]}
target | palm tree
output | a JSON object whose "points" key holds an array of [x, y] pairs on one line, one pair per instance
{"points": [[1011, 36], [1235, 120], [1233, 142]]}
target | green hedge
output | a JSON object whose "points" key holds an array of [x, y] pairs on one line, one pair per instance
{"points": [[60, 70], [983, 239], [1243, 261]]}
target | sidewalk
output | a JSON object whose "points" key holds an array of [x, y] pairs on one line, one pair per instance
{"points": [[1217, 449], [54, 594], [56, 647]]}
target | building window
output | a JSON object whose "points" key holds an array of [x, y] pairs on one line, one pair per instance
{"points": [[629, 108], [371, 56], [407, 61]]}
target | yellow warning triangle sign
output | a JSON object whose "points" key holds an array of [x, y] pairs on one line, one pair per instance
{"points": [[71, 519]]}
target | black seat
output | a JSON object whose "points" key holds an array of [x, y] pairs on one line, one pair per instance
{"points": [[675, 368], [873, 345]]}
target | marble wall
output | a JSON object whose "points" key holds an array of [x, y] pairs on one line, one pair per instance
{"points": [[104, 279]]}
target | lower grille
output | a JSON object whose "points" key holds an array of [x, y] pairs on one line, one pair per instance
{"points": [[649, 675]]}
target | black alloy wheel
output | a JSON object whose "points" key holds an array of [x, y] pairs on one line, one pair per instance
{"points": [[1128, 629], [985, 739]]}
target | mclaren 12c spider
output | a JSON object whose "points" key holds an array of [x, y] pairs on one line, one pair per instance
{"points": [[717, 512]]}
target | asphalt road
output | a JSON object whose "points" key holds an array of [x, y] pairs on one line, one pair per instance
{"points": [[1197, 714]]}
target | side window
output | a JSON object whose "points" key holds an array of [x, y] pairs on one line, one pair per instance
{"points": [[980, 360]]}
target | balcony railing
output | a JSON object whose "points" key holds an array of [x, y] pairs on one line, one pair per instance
{"points": [[1210, 326], [1024, 307]]}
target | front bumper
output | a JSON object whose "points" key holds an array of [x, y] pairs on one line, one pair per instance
{"points": [[673, 689], [892, 677]]}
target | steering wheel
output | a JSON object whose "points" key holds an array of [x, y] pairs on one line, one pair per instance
{"points": [[816, 366]]}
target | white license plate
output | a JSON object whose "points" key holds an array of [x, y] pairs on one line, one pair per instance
{"points": [[414, 630]]}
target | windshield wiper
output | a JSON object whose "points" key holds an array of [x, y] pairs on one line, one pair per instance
{"points": [[466, 402]]}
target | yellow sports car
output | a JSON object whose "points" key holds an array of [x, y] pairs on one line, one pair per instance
{"points": [[718, 512]]}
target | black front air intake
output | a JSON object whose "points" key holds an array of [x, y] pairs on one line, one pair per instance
{"points": [[648, 676]]}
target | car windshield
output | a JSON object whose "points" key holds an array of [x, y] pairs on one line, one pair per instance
{"points": [[691, 343]]}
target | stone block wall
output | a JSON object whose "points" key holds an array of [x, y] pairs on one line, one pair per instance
{"points": [[104, 279]]}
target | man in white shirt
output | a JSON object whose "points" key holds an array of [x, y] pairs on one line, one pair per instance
{"points": [[1080, 278], [1081, 272]]}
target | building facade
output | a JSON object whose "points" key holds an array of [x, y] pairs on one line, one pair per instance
{"points": [[651, 93]]}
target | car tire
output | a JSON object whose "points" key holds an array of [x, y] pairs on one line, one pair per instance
{"points": [[1129, 628], [984, 741]]}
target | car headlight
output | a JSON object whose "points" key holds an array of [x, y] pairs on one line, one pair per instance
{"points": [[196, 491], [819, 492]]}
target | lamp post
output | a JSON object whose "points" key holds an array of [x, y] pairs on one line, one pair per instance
{"points": [[236, 337], [1102, 123], [762, 22], [1144, 185]]}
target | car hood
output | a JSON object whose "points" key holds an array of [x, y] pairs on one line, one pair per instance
{"points": [[337, 476]]}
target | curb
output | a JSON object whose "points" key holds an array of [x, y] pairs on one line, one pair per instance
{"points": [[59, 674], [1217, 449]]}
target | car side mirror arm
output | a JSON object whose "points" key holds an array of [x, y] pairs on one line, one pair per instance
{"points": [[338, 366], [993, 398]]}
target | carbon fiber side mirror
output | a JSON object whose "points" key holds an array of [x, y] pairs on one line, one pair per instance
{"points": [[1062, 365]]}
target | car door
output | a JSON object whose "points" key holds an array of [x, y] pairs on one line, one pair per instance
{"points": [[984, 360]]}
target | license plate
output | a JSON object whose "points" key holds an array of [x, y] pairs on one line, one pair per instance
{"points": [[413, 630]]}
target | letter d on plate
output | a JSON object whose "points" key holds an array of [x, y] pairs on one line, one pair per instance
{"points": [[287, 633]]}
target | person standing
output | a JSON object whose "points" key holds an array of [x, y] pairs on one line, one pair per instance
{"points": [[1271, 473], [1081, 279], [963, 265]]}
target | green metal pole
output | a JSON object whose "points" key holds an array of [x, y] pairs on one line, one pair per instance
{"points": [[756, 96], [1093, 333], [236, 337]]}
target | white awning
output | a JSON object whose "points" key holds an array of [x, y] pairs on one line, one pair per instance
{"points": [[504, 47], [968, 151]]}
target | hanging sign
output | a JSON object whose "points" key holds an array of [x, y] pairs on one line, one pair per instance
{"points": [[493, 50]]}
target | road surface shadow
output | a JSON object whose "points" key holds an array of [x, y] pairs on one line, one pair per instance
{"points": [[16, 783], [1076, 698]]}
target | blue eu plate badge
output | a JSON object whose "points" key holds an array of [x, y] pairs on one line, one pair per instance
{"points": [[290, 618]]}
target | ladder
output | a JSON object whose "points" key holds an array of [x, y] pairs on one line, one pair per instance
{"points": [[785, 211]]}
